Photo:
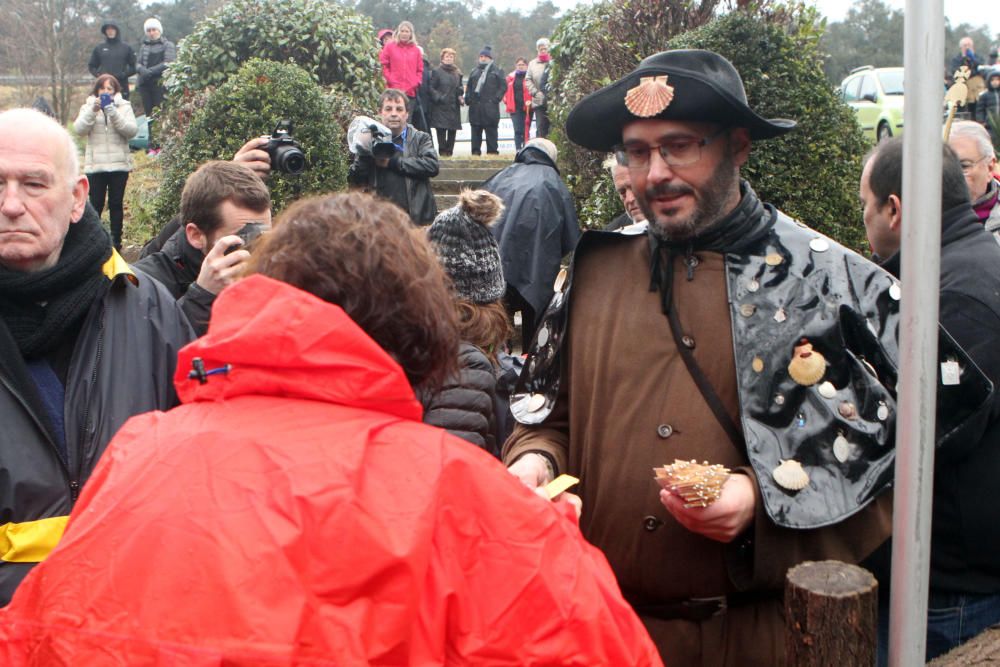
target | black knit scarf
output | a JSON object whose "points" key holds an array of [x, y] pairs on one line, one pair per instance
{"points": [[744, 226], [40, 307]]}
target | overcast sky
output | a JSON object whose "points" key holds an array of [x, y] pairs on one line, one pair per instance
{"points": [[974, 12]]}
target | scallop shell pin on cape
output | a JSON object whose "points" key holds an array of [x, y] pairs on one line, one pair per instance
{"points": [[650, 97], [790, 475], [807, 365]]}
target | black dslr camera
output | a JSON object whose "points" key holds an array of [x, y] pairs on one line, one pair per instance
{"points": [[286, 154], [382, 146]]}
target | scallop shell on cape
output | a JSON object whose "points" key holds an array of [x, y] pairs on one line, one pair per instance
{"points": [[790, 475], [650, 97], [807, 366]]}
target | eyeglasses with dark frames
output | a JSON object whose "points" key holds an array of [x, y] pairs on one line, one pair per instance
{"points": [[677, 152]]}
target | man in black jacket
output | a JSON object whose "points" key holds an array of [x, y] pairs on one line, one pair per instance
{"points": [[965, 535], [483, 93], [113, 56], [223, 205], [404, 178], [85, 342]]}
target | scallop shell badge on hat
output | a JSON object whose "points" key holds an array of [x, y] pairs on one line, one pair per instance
{"points": [[650, 97]]}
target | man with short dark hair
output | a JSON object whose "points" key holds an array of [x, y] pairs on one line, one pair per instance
{"points": [[219, 202], [623, 186], [483, 93], [729, 335], [404, 178], [113, 56], [85, 341], [964, 594]]}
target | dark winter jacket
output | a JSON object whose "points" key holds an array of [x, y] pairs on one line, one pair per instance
{"points": [[154, 56], [538, 226], [406, 181], [484, 106], [113, 56], [965, 535], [176, 266], [465, 404], [445, 89], [988, 111], [122, 365]]}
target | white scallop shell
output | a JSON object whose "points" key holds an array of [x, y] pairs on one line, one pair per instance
{"points": [[790, 475], [650, 97]]}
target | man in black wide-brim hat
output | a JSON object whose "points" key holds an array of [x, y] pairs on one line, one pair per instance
{"points": [[731, 335]]}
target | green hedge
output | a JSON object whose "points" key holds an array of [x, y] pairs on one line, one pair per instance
{"points": [[335, 44], [250, 104]]}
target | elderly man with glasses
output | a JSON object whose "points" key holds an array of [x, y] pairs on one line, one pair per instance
{"points": [[971, 143], [727, 334]]}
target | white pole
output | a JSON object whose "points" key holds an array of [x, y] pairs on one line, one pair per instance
{"points": [[923, 46]]}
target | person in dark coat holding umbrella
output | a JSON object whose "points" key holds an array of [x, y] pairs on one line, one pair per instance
{"points": [[538, 227], [445, 93], [483, 94]]}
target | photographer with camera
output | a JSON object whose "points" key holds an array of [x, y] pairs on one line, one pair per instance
{"points": [[225, 206], [397, 167]]}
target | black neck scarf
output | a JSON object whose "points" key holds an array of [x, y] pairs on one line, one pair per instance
{"points": [[40, 308]]}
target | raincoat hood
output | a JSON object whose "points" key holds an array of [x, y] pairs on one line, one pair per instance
{"points": [[111, 24], [279, 340]]}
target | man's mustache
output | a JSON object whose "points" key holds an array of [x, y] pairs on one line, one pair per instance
{"points": [[667, 190]]}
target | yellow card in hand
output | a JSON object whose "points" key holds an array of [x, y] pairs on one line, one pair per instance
{"points": [[560, 484]]}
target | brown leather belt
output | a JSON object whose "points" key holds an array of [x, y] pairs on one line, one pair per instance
{"points": [[699, 609]]}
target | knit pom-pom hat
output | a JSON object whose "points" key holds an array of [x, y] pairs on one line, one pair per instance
{"points": [[466, 247]]}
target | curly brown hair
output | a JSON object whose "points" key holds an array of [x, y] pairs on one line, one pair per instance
{"points": [[485, 325], [365, 256]]}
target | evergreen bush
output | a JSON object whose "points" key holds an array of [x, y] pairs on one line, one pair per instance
{"points": [[333, 43], [812, 173], [249, 105]]}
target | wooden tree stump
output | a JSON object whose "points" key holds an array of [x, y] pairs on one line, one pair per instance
{"points": [[831, 615]]}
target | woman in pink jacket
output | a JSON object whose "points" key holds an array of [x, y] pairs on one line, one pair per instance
{"points": [[402, 65]]}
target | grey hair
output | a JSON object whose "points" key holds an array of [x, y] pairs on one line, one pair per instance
{"points": [[973, 130], [545, 146], [24, 116], [542, 41]]}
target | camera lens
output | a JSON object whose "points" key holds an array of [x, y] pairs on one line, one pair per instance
{"points": [[290, 160]]}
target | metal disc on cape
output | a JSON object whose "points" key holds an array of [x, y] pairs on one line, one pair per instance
{"points": [[753, 286], [757, 364], [536, 402], [895, 292], [827, 390], [883, 412], [543, 336], [819, 244], [841, 449]]}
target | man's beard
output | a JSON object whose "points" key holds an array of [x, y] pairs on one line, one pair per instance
{"points": [[709, 207]]}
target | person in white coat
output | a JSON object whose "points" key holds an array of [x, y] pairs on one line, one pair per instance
{"points": [[107, 122]]}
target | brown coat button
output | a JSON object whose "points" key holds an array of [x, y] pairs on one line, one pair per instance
{"points": [[651, 523], [664, 430]]}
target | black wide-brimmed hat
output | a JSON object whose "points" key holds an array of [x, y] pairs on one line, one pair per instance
{"points": [[686, 84]]}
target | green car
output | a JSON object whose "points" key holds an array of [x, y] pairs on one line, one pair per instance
{"points": [[876, 95]]}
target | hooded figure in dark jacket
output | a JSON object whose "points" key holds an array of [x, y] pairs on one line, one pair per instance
{"points": [[965, 529], [483, 94], [538, 227], [113, 56]]}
